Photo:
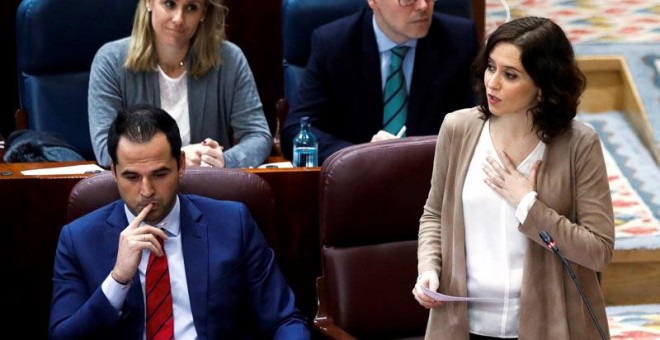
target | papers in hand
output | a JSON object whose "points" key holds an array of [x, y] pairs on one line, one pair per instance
{"points": [[441, 297]]}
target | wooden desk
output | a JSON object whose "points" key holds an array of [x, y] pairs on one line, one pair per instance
{"points": [[34, 210]]}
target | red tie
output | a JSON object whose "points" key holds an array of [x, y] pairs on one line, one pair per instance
{"points": [[160, 322]]}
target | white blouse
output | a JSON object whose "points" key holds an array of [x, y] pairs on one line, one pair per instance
{"points": [[495, 249], [174, 100]]}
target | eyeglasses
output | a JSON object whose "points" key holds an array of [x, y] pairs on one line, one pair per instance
{"points": [[406, 3]]}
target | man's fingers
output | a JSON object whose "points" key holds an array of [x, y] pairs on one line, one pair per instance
{"points": [[141, 216]]}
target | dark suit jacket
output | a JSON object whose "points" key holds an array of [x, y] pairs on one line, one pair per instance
{"points": [[231, 273], [341, 87]]}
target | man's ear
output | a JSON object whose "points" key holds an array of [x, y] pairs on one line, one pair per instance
{"points": [[113, 171], [182, 164]]}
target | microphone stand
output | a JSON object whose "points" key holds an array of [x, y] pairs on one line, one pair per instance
{"points": [[553, 246]]}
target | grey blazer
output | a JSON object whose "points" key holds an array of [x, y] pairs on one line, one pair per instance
{"points": [[224, 104]]}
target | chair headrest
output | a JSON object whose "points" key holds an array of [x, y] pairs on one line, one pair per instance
{"points": [[301, 17], [56, 35], [98, 190], [375, 192]]}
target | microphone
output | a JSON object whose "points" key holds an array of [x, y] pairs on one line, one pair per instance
{"points": [[550, 243]]}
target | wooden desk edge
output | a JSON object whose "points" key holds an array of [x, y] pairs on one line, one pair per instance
{"points": [[16, 168]]}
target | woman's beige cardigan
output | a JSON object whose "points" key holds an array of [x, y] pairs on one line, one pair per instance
{"points": [[574, 205]]}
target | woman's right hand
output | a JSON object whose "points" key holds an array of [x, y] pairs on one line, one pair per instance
{"points": [[428, 279], [206, 153]]}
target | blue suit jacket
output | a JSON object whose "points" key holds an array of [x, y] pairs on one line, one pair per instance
{"points": [[341, 87], [235, 286]]}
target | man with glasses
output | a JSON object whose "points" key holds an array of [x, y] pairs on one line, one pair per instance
{"points": [[393, 69]]}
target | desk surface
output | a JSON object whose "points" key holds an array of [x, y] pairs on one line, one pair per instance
{"points": [[13, 170]]}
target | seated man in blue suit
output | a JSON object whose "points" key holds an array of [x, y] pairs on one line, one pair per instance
{"points": [[342, 88], [219, 265]]}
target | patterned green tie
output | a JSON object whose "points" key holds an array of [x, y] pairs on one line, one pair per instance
{"points": [[395, 95]]}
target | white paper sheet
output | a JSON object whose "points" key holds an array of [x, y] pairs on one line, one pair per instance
{"points": [[276, 165], [64, 170], [442, 297]]}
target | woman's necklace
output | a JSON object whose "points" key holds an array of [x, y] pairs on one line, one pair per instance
{"points": [[172, 69], [175, 66]]}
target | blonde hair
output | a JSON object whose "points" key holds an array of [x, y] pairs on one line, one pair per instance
{"points": [[204, 45]]}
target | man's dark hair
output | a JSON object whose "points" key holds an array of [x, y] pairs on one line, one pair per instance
{"points": [[139, 124]]}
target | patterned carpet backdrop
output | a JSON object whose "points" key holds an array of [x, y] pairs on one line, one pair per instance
{"points": [[587, 20], [634, 181], [627, 27], [640, 322], [643, 61]]}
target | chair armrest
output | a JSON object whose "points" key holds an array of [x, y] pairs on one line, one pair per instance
{"points": [[479, 17], [324, 322], [21, 119], [281, 110]]}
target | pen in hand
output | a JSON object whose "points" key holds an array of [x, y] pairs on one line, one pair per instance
{"points": [[401, 132]]}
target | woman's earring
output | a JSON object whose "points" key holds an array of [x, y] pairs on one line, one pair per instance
{"points": [[149, 9]]}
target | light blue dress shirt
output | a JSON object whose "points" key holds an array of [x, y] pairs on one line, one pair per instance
{"points": [[384, 48]]}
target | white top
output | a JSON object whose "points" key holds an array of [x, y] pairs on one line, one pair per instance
{"points": [[184, 327], [495, 249], [174, 100]]}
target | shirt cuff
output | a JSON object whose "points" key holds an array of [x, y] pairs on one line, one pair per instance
{"points": [[115, 291], [525, 205]]}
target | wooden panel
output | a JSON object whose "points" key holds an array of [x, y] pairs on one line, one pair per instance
{"points": [[610, 87], [633, 277], [603, 92], [297, 212], [479, 17], [255, 27], [33, 213]]}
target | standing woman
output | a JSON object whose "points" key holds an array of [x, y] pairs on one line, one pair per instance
{"points": [[504, 171], [177, 59]]}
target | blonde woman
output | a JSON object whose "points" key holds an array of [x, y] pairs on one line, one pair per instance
{"points": [[177, 59]]}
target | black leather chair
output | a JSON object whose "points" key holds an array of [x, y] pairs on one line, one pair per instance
{"points": [[56, 42], [371, 198]]}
